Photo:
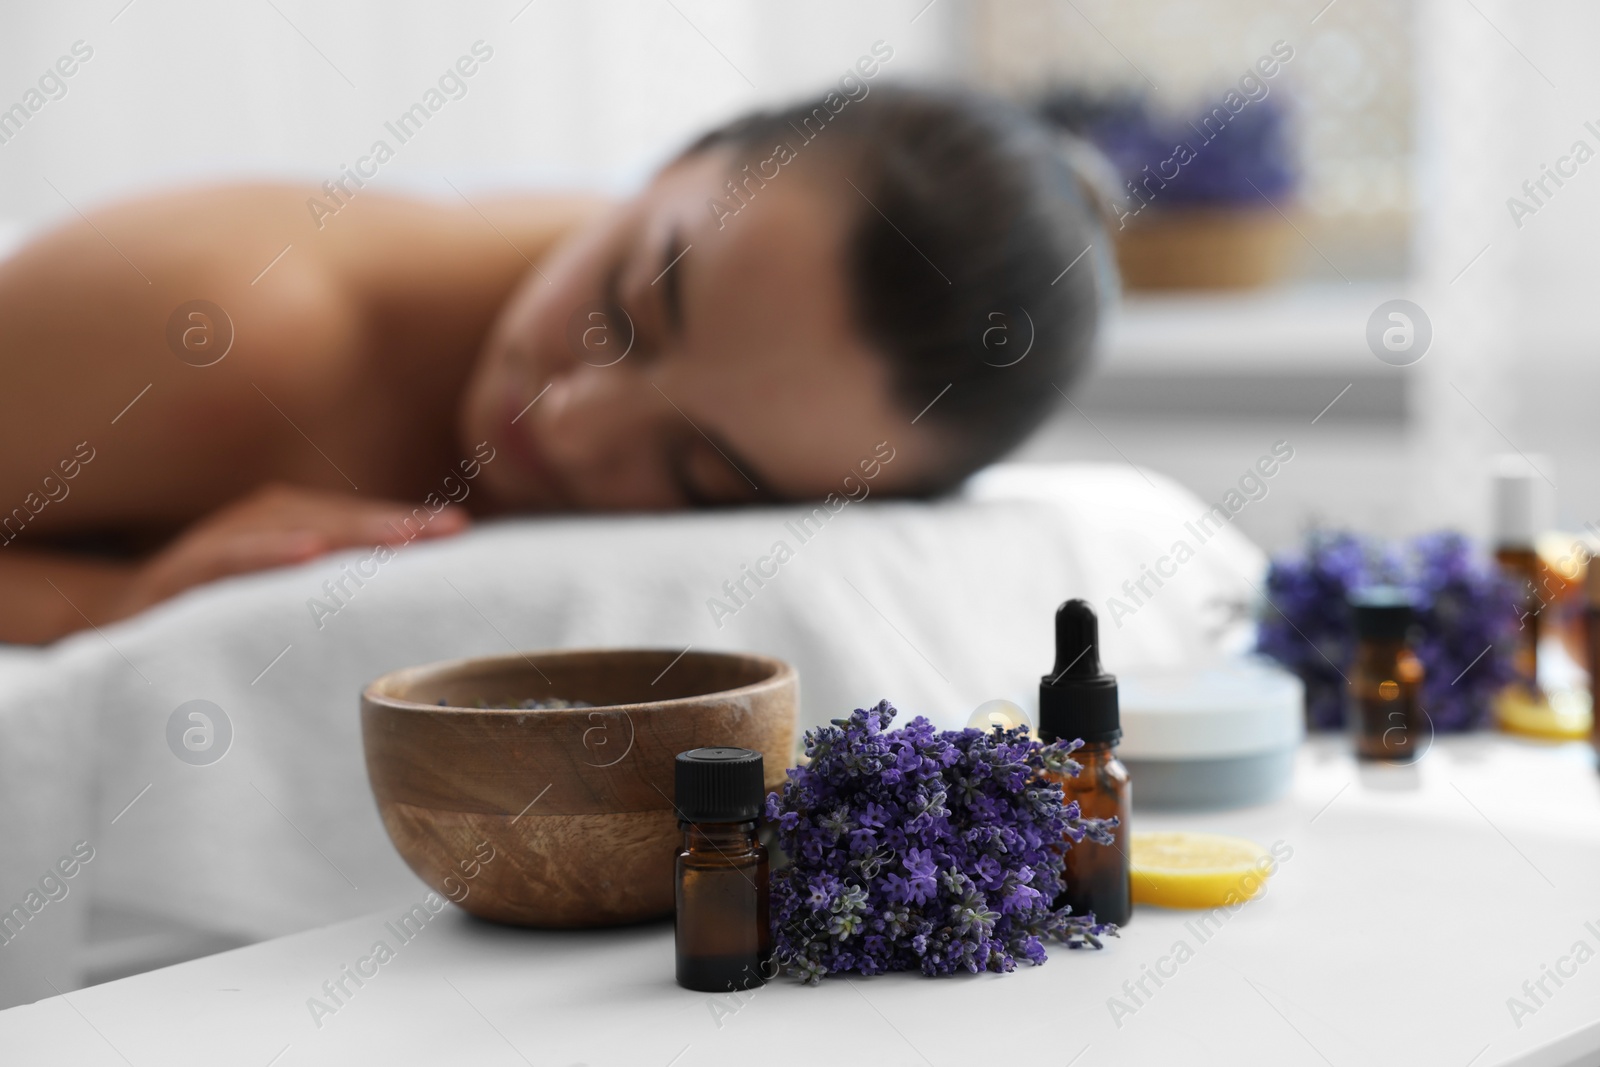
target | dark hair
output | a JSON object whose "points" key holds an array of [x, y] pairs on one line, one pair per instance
{"points": [[968, 216]]}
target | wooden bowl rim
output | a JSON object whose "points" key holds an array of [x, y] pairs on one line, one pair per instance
{"points": [[783, 673]]}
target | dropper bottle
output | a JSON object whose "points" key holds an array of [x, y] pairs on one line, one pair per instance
{"points": [[1078, 699]]}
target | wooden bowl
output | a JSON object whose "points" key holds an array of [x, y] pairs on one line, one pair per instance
{"points": [[560, 817]]}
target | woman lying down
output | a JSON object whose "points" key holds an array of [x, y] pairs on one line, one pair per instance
{"points": [[783, 304]]}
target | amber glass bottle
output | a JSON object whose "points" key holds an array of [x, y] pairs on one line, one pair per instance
{"points": [[1591, 641], [1518, 504], [1385, 678], [1097, 876], [1521, 567], [724, 941], [1078, 699]]}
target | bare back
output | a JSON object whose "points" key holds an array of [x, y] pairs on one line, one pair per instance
{"points": [[347, 347]]}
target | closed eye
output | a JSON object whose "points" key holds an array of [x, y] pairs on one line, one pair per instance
{"points": [[708, 476]]}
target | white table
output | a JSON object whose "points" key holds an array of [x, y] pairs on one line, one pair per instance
{"points": [[1416, 902]]}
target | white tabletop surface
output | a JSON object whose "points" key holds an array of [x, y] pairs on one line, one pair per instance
{"points": [[1416, 902]]}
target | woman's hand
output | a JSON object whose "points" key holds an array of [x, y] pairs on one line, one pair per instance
{"points": [[277, 526]]}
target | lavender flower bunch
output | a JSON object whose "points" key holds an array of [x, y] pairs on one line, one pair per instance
{"points": [[1306, 625], [1466, 612], [913, 848]]}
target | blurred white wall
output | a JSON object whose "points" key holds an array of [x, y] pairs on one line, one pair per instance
{"points": [[1505, 91], [590, 94]]}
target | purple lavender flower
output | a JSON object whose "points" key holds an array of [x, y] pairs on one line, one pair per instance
{"points": [[1464, 609], [1466, 620], [968, 843], [1306, 626], [1249, 157]]}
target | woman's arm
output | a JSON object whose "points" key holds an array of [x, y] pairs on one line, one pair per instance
{"points": [[51, 594]]}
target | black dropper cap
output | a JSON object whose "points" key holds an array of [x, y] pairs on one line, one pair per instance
{"points": [[719, 785], [1382, 612], [1078, 698]]}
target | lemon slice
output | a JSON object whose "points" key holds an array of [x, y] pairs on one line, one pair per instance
{"points": [[1180, 870], [1562, 716]]}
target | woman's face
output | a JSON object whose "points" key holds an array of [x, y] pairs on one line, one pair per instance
{"points": [[665, 358]]}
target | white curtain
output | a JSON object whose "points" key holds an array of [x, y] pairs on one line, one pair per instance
{"points": [[1506, 90], [575, 93]]}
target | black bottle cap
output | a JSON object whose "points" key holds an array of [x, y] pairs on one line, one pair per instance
{"points": [[1078, 698], [720, 785], [1382, 612]]}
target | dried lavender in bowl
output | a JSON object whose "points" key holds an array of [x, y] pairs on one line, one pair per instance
{"points": [[530, 704]]}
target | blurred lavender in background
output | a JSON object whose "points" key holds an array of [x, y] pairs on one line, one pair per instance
{"points": [[1466, 610], [1465, 613], [1249, 157]]}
